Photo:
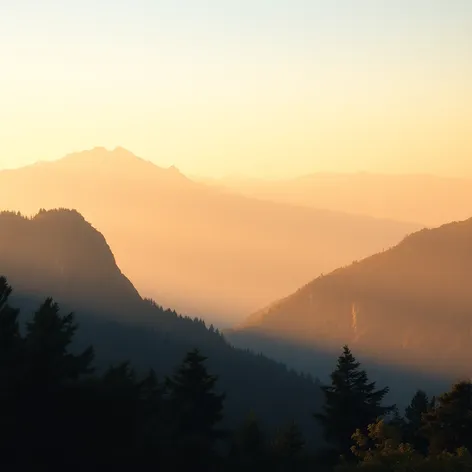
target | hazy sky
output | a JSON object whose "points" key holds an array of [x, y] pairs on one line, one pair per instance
{"points": [[258, 87]]}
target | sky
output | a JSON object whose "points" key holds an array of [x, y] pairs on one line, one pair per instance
{"points": [[263, 88]]}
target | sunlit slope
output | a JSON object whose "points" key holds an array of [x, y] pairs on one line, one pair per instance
{"points": [[410, 305], [428, 199], [191, 246]]}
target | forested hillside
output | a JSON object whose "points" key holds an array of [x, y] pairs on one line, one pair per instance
{"points": [[57, 253], [59, 413], [409, 306]]}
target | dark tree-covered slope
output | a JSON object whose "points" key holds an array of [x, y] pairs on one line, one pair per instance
{"points": [[57, 253]]}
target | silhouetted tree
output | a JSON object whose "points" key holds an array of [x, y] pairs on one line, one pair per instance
{"points": [[48, 337], [351, 402], [49, 373], [9, 326], [151, 434], [449, 425], [396, 419], [195, 410], [412, 428], [11, 345], [249, 446], [287, 448]]}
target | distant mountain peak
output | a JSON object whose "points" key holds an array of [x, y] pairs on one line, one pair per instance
{"points": [[121, 152], [118, 160], [101, 155], [121, 149]]}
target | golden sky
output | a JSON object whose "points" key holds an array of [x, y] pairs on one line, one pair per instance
{"points": [[255, 87]]}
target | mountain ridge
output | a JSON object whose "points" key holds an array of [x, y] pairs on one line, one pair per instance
{"points": [[121, 325], [411, 304], [427, 199], [58, 236], [199, 250]]}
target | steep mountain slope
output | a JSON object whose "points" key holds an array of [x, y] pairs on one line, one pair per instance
{"points": [[193, 247], [409, 306], [58, 250], [427, 199], [57, 253]]}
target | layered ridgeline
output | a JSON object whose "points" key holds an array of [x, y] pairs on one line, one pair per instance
{"points": [[57, 253], [427, 199], [193, 247], [410, 307]]}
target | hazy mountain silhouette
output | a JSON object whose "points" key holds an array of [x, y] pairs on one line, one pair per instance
{"points": [[193, 247], [410, 307], [427, 199], [59, 254], [58, 251]]}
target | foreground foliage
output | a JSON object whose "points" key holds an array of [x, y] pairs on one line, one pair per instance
{"points": [[58, 413]]}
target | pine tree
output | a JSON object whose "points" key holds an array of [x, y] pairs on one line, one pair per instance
{"points": [[195, 411], [49, 387], [48, 337], [11, 344], [9, 327], [10, 339], [287, 447], [414, 413], [151, 412], [249, 448], [415, 410], [351, 402]]}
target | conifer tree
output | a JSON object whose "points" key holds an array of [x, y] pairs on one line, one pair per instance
{"points": [[414, 414], [9, 327], [351, 403], [287, 447], [397, 420], [48, 385], [151, 413], [195, 410], [10, 341], [48, 337], [10, 372], [249, 448]]}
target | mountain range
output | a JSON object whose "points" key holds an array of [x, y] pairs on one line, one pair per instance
{"points": [[196, 248], [420, 198]]}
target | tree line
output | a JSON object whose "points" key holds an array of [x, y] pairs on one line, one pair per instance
{"points": [[58, 413]]}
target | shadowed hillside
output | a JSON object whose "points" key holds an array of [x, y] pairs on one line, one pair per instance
{"points": [[408, 306], [193, 247], [60, 246], [426, 199], [57, 253]]}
